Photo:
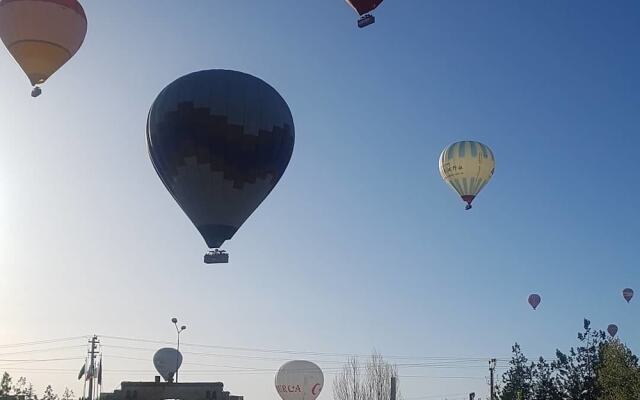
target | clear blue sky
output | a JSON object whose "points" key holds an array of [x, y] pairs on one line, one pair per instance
{"points": [[361, 245]]}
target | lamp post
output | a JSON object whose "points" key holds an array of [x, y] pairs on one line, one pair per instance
{"points": [[179, 330]]}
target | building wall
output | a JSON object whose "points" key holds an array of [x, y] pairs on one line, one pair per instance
{"points": [[164, 390]]}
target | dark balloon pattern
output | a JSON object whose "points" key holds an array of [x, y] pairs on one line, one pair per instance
{"points": [[627, 294], [364, 6], [220, 141], [534, 300]]}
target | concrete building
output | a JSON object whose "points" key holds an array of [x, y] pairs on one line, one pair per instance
{"points": [[165, 390]]}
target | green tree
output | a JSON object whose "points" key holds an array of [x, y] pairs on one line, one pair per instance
{"points": [[5, 384], [576, 370], [49, 394], [545, 384], [517, 381], [618, 375]]}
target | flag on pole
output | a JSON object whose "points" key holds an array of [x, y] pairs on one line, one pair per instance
{"points": [[82, 371], [91, 373], [100, 372]]}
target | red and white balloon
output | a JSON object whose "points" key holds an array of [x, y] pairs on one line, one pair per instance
{"points": [[299, 380]]}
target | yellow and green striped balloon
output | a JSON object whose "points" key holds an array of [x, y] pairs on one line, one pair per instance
{"points": [[467, 166]]}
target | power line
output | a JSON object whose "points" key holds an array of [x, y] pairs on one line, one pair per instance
{"points": [[294, 352], [438, 362], [193, 372], [219, 354], [443, 364], [48, 341], [447, 395], [43, 360], [424, 365], [41, 350]]}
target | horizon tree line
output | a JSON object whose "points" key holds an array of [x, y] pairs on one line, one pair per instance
{"points": [[23, 389], [598, 368]]}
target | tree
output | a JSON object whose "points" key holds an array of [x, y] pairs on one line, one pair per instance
{"points": [[517, 381], [618, 375], [68, 394], [545, 385], [5, 384], [49, 394], [29, 394], [20, 387], [375, 384], [347, 384], [24, 388], [378, 380], [576, 370]]}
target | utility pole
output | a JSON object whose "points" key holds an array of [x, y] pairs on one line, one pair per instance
{"points": [[492, 369], [393, 388], [93, 353]]}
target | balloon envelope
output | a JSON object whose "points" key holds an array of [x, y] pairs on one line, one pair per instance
{"points": [[167, 361], [467, 167], [364, 6], [220, 141], [627, 294], [299, 380], [42, 35], [612, 329], [534, 300]]}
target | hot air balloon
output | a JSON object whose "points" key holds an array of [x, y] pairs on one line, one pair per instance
{"points": [[612, 329], [467, 167], [363, 8], [42, 35], [534, 300], [220, 141], [167, 361], [299, 380], [627, 294]]}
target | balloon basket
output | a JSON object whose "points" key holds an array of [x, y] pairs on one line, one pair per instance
{"points": [[216, 257], [36, 92], [366, 20]]}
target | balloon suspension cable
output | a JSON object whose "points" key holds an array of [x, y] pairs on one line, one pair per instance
{"points": [[36, 91], [216, 256]]}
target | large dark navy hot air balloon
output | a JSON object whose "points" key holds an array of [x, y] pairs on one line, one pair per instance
{"points": [[363, 8], [220, 141]]}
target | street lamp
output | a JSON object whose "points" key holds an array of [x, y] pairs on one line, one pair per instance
{"points": [[179, 330]]}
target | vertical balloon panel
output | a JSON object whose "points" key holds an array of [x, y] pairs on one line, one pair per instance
{"points": [[467, 167]]}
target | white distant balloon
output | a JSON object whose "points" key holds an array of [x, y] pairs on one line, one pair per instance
{"points": [[299, 380], [167, 361]]}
